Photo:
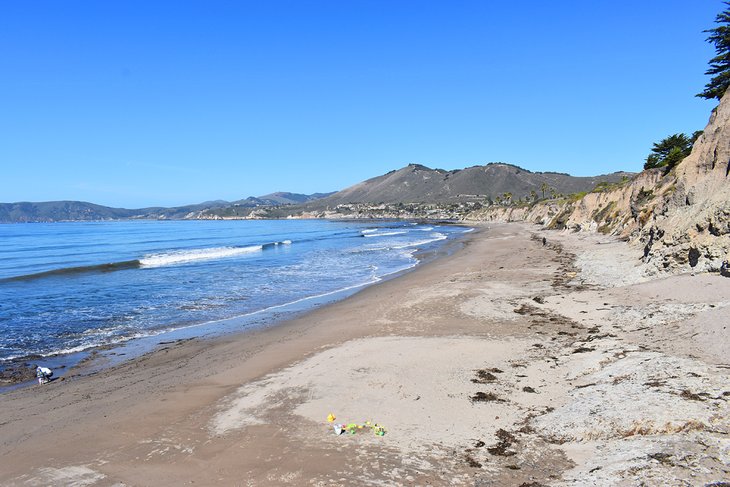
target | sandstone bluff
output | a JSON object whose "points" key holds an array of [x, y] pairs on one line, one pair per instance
{"points": [[679, 220]]}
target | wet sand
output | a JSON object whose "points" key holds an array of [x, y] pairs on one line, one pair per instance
{"points": [[506, 363]]}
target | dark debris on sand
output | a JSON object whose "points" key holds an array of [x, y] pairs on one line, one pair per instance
{"points": [[506, 440], [472, 462], [690, 396], [486, 397], [583, 350], [16, 373], [484, 376]]}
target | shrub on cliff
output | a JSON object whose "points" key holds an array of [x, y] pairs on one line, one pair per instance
{"points": [[671, 150]]}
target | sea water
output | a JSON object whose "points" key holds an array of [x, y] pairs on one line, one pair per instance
{"points": [[68, 287]]}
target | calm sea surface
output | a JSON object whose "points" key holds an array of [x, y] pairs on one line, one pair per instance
{"points": [[66, 287]]}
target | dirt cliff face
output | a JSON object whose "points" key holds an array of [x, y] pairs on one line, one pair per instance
{"points": [[690, 226], [680, 219]]}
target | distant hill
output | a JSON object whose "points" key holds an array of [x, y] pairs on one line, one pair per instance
{"points": [[419, 184], [281, 198], [50, 211], [53, 211]]}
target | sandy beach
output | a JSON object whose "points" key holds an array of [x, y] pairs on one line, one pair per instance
{"points": [[509, 362]]}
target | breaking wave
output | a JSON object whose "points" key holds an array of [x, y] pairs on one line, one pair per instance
{"points": [[152, 260], [110, 267], [185, 256], [397, 246], [384, 234]]}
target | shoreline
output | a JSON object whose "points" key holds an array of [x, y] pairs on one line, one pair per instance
{"points": [[96, 358], [483, 365]]}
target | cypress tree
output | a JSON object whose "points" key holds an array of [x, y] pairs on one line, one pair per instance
{"points": [[720, 64]]}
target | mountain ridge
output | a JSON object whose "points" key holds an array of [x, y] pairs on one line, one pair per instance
{"points": [[71, 210], [416, 183]]}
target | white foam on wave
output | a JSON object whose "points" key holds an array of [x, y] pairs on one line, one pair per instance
{"points": [[436, 238], [374, 279], [105, 341], [185, 256], [418, 243], [100, 341], [384, 234], [369, 230]]}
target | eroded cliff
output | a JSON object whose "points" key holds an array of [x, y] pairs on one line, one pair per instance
{"points": [[679, 219]]}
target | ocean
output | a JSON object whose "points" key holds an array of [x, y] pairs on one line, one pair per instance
{"points": [[66, 288]]}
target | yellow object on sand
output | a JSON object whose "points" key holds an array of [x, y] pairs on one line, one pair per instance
{"points": [[352, 428]]}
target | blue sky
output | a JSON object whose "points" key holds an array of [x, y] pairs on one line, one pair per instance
{"points": [[145, 103]]}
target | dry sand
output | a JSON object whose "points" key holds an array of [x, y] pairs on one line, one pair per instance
{"points": [[507, 363]]}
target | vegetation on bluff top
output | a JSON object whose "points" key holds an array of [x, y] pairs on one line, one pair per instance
{"points": [[671, 150], [720, 64]]}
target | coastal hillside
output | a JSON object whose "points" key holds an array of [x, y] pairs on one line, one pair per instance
{"points": [[53, 211], [678, 219], [414, 185], [280, 198], [419, 184], [49, 211], [417, 191]]}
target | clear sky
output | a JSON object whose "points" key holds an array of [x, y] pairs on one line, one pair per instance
{"points": [[140, 103]]}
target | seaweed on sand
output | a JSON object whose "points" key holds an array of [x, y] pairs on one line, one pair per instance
{"points": [[472, 462], [484, 377], [506, 440], [486, 397]]}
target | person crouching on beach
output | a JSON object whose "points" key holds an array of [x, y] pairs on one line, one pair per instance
{"points": [[44, 374]]}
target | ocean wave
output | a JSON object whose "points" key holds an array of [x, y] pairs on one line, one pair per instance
{"points": [[112, 266], [384, 234], [373, 280], [150, 261], [186, 256], [274, 244], [436, 237], [94, 342]]}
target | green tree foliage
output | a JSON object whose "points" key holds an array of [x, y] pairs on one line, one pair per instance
{"points": [[720, 64], [671, 151]]}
